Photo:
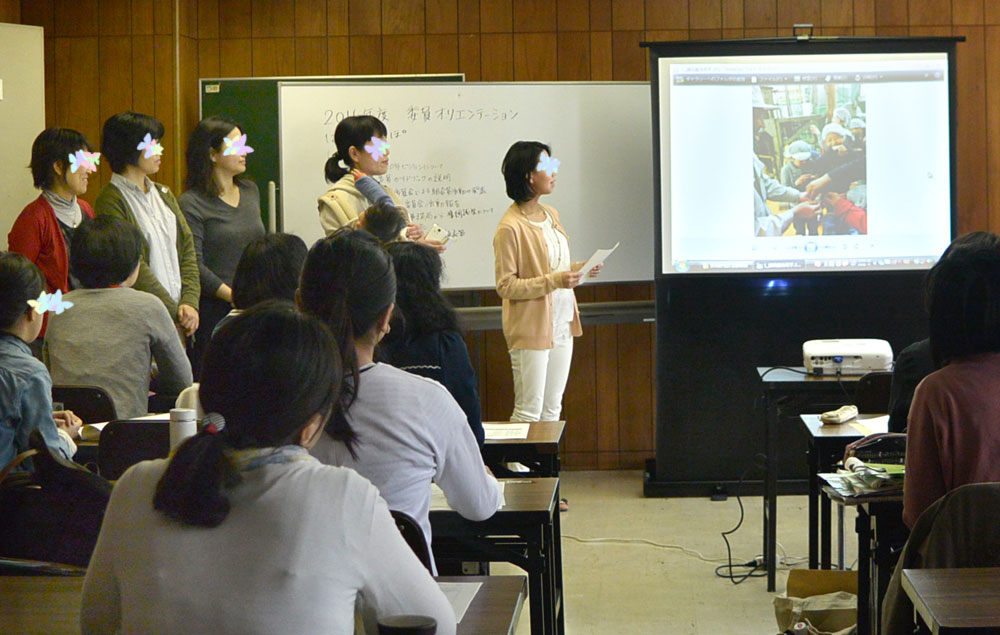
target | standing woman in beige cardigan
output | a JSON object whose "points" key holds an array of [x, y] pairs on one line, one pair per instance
{"points": [[535, 277]]}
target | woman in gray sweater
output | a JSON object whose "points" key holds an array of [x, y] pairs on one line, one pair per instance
{"points": [[223, 210]]}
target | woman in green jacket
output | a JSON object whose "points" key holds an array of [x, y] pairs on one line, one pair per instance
{"points": [[169, 267]]}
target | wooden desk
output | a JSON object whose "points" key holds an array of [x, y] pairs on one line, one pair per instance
{"points": [[791, 392], [539, 451], [881, 533], [497, 606], [40, 604], [826, 448], [524, 532], [955, 600]]}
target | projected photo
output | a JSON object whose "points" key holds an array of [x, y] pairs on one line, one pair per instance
{"points": [[809, 160]]}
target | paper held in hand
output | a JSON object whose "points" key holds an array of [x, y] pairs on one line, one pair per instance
{"points": [[597, 259]]}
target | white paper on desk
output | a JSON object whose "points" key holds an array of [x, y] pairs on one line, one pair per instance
{"points": [[460, 595], [156, 416], [597, 259], [439, 502], [92, 431], [506, 431]]}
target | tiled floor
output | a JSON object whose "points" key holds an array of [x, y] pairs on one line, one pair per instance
{"points": [[639, 588]]}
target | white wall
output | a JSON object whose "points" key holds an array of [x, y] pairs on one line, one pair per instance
{"points": [[22, 116]]}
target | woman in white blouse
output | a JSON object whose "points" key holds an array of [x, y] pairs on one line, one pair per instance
{"points": [[410, 430], [242, 531]]}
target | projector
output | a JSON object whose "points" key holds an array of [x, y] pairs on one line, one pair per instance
{"points": [[846, 357]]}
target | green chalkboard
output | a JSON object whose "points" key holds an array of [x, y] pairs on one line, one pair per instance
{"points": [[252, 102]]}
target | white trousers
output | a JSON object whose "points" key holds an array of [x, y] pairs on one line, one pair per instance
{"points": [[539, 381]]}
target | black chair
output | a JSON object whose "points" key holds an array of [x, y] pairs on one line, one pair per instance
{"points": [[125, 443], [871, 394], [414, 536], [91, 403], [54, 513], [407, 625]]}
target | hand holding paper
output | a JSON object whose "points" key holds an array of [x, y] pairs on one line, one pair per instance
{"points": [[596, 261]]}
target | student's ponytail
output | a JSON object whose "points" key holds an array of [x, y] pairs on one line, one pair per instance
{"points": [[265, 376], [351, 132], [191, 490]]}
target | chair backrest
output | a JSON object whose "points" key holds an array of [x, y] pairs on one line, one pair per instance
{"points": [[407, 625], [124, 443], [21, 567], [414, 536], [959, 530], [53, 514], [871, 394], [91, 403]]}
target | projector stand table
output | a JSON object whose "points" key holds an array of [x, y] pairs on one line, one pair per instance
{"points": [[789, 392]]}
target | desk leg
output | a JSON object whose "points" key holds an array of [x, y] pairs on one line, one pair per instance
{"points": [[536, 589], [824, 532], [558, 599], [771, 493], [811, 454], [863, 526]]}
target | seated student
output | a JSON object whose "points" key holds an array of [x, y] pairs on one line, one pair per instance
{"points": [[384, 221], [410, 429], [25, 385], [426, 339], [242, 531], [915, 362], [131, 143], [268, 269], [113, 332], [953, 437]]}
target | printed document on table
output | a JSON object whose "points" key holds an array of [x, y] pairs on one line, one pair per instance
{"points": [[597, 259], [460, 595], [506, 431]]}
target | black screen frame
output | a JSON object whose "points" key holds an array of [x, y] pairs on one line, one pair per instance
{"points": [[794, 46]]}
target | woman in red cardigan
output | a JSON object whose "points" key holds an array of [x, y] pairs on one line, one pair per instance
{"points": [[61, 163]]}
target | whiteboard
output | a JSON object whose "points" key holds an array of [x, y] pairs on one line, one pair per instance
{"points": [[447, 143]]}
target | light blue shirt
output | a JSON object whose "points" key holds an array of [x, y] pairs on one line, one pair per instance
{"points": [[25, 401]]}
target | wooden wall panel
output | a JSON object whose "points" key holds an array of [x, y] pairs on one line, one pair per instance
{"points": [[271, 19], [891, 13], [106, 49], [535, 57], [310, 56], [404, 54], [76, 18], [967, 11], [573, 56], [310, 18], [336, 17], [495, 16], [234, 19], [366, 55], [402, 17], [534, 16], [442, 53], [572, 15], [836, 13], [706, 15], [665, 15], [497, 57], [10, 11], [441, 16], [115, 17]]}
